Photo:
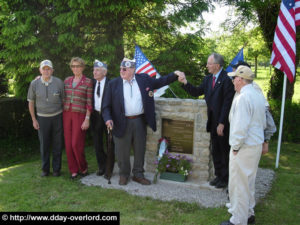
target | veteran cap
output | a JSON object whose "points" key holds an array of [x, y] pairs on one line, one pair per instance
{"points": [[98, 63], [129, 63]]}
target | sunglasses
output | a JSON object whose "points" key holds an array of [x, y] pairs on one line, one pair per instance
{"points": [[123, 69], [76, 66]]}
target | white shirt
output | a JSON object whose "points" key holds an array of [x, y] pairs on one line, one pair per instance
{"points": [[247, 118], [132, 98], [98, 100]]}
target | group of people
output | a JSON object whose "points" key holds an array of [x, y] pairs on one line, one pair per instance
{"points": [[240, 126], [239, 122]]}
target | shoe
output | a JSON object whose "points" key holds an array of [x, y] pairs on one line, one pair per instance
{"points": [[228, 205], [251, 220], [141, 180], [214, 181], [45, 174], [74, 176], [100, 172], [56, 174], [123, 180], [84, 173], [221, 184], [226, 223]]}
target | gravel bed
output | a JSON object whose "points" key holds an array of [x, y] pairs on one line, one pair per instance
{"points": [[202, 194]]}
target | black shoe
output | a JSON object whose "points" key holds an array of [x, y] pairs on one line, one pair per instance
{"points": [[100, 172], [56, 174], [214, 181], [221, 184], [251, 220], [226, 223], [45, 174]]}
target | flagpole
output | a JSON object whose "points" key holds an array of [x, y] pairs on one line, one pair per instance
{"points": [[281, 120]]}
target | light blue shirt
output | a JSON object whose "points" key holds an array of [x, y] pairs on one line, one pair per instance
{"points": [[217, 74]]}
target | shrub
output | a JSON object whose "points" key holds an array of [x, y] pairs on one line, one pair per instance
{"points": [[291, 122], [15, 118]]}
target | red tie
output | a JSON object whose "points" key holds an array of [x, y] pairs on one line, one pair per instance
{"points": [[214, 81]]}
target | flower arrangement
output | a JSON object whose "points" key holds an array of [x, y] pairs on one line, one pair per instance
{"points": [[172, 163]]}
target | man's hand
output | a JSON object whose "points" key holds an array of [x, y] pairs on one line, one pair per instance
{"points": [[220, 129], [181, 77], [35, 124], [265, 148], [109, 124]]}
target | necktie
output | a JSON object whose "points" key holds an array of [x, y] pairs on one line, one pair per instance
{"points": [[214, 81], [98, 89]]}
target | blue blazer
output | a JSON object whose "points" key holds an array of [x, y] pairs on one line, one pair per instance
{"points": [[218, 99], [113, 100]]}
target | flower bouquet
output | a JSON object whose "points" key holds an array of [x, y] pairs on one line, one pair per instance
{"points": [[172, 163]]}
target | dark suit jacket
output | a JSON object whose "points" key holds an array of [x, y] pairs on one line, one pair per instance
{"points": [[113, 100], [218, 99]]}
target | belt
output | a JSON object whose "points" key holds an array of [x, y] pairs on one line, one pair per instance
{"points": [[134, 117]]}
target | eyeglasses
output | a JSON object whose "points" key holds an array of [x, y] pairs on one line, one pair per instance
{"points": [[76, 66], [123, 69]]}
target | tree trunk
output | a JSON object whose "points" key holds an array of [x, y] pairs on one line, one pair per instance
{"points": [[255, 60]]}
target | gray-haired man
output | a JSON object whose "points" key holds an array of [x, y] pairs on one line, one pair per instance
{"points": [[46, 96]]}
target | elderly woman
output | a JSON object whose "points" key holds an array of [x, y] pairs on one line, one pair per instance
{"points": [[76, 115]]}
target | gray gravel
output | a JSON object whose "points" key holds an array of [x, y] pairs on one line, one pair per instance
{"points": [[202, 194]]}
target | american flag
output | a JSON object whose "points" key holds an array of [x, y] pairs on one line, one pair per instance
{"points": [[284, 45], [143, 65]]}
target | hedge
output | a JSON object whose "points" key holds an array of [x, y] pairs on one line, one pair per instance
{"points": [[15, 118]]}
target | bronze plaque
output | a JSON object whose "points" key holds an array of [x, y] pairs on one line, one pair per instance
{"points": [[179, 134]]}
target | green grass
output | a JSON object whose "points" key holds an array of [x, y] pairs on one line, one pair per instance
{"points": [[263, 78], [22, 189]]}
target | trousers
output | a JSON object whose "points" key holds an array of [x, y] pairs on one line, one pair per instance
{"points": [[74, 141]]}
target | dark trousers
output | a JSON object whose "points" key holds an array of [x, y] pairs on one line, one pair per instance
{"points": [[135, 134], [220, 150], [98, 131], [51, 133]]}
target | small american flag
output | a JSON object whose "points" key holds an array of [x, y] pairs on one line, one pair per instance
{"points": [[284, 45], [143, 65]]}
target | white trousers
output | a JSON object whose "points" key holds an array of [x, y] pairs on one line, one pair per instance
{"points": [[241, 187]]}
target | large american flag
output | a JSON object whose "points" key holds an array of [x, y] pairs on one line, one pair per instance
{"points": [[284, 45], [143, 65]]}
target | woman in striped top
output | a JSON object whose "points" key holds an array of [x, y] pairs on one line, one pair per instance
{"points": [[76, 115]]}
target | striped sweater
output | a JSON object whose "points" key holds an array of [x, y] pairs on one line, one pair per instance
{"points": [[82, 95]]}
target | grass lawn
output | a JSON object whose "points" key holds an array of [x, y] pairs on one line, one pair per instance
{"points": [[263, 78], [22, 189]]}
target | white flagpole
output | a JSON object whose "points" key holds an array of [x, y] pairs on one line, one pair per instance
{"points": [[281, 120]]}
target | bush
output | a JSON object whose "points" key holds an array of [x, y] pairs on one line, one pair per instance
{"points": [[15, 118], [291, 122]]}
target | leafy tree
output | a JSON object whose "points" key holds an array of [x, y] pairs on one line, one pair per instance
{"points": [[58, 30], [266, 13]]}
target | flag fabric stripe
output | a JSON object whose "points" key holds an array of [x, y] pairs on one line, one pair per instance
{"points": [[284, 45]]}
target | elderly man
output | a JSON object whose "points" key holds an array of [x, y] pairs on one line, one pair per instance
{"points": [[218, 90], [247, 123], [46, 95], [128, 106], [97, 123]]}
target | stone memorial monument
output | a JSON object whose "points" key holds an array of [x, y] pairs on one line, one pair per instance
{"points": [[183, 123]]}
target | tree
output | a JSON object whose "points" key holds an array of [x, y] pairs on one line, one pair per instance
{"points": [[58, 30], [266, 13]]}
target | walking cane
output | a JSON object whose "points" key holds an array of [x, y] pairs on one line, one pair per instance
{"points": [[110, 162]]}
